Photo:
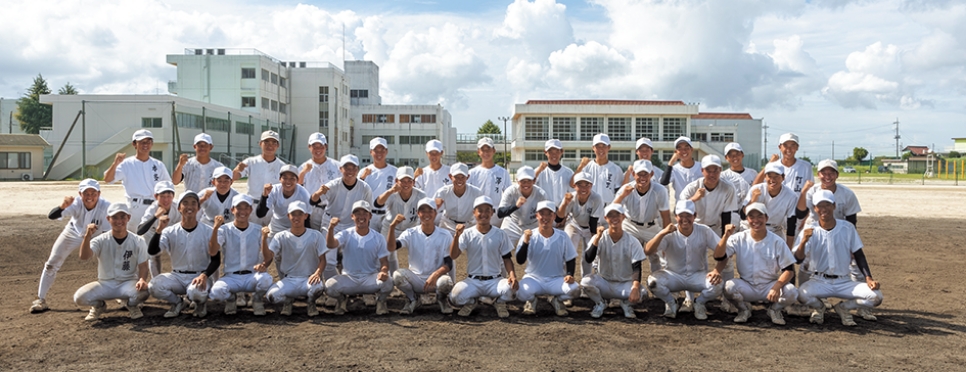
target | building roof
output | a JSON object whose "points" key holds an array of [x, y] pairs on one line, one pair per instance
{"points": [[614, 102], [917, 150], [22, 140], [722, 115]]}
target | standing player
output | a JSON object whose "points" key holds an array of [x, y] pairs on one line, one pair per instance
{"points": [[553, 260], [197, 172], [582, 209], [779, 200], [380, 176], [163, 206], [261, 170], [456, 200], [682, 171], [429, 262], [316, 172], [138, 174], [685, 249], [714, 199], [434, 176], [551, 176], [490, 177], [301, 254], [644, 201], [401, 199], [797, 171], [239, 243], [277, 198], [618, 273], [519, 203], [365, 261], [487, 248], [645, 152], [735, 156], [339, 194], [217, 200], [88, 209], [605, 174], [122, 267]]}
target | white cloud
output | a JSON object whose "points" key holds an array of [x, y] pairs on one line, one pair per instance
{"points": [[590, 66], [541, 26]]}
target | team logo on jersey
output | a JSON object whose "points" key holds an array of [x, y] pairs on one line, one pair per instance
{"points": [[499, 180], [126, 266]]}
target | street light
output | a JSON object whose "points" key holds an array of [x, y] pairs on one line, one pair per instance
{"points": [[506, 156]]}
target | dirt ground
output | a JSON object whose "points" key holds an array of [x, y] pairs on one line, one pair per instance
{"points": [[921, 322]]}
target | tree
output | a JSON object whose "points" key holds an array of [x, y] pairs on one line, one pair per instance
{"points": [[955, 155], [859, 153], [32, 114], [489, 128], [67, 89], [656, 161], [808, 159]]}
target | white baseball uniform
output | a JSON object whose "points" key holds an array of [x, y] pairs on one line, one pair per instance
{"points": [[686, 265], [492, 182], [379, 180], [426, 254], [828, 255], [797, 174], [278, 203], [361, 255], [299, 258], [484, 265], [150, 229], [614, 278], [188, 251], [546, 267], [578, 226], [846, 203], [216, 205], [523, 218], [746, 174], [644, 210], [197, 176], [682, 176], [780, 207], [396, 205], [607, 179], [319, 175], [759, 264], [658, 173], [138, 178], [117, 271], [432, 180], [339, 201], [555, 183], [72, 236], [457, 209], [240, 252], [741, 190], [260, 172], [708, 210]]}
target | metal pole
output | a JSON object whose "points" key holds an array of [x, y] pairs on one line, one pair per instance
{"points": [[251, 130], [83, 139], [61, 147], [229, 133], [204, 120], [506, 154]]}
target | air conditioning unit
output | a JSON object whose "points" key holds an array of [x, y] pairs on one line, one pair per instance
{"points": [[27, 177]]}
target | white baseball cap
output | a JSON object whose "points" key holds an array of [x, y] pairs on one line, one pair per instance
{"points": [[682, 139], [317, 138], [823, 195], [643, 166], [459, 168], [346, 159], [546, 204], [378, 141], [485, 141], [405, 172], [188, 194], [644, 141], [221, 171], [141, 134], [583, 176], [788, 137], [525, 172], [552, 143], [757, 206], [434, 145], [241, 198], [775, 167], [710, 160], [684, 206], [480, 200], [203, 137], [116, 208], [163, 186], [828, 163], [427, 202], [88, 183], [288, 168], [612, 207], [363, 205], [269, 134], [601, 138], [733, 146], [297, 205]]}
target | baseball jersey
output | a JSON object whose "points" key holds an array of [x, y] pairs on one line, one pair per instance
{"points": [[492, 181], [80, 217], [458, 208], [615, 259], [380, 180], [759, 262], [119, 261], [688, 255], [797, 174], [174, 217], [261, 172], [779, 207], [547, 257], [433, 180], [396, 205], [580, 214], [830, 251], [188, 249], [197, 176], [658, 172], [708, 210], [741, 185], [138, 177], [647, 207], [607, 179], [240, 249], [320, 174], [215, 206], [681, 177], [361, 253], [524, 217], [746, 174], [846, 203], [299, 254], [555, 183], [339, 199], [426, 252], [484, 252], [278, 203]]}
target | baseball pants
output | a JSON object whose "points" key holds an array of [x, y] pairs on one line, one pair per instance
{"points": [[412, 284], [469, 290], [514, 232], [341, 285], [294, 286], [580, 237], [235, 283], [644, 234], [169, 286], [94, 292], [137, 212], [662, 283], [598, 288], [66, 243], [450, 225], [532, 286], [331, 256], [741, 292], [855, 294]]}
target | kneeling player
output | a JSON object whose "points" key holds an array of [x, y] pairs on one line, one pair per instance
{"points": [[365, 260], [618, 273], [429, 262], [486, 247], [301, 253], [239, 242], [553, 260]]}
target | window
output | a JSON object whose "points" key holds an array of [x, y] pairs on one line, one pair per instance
{"points": [[646, 127], [619, 129], [14, 160], [673, 128], [274, 79], [415, 118], [218, 125], [274, 105], [248, 101], [265, 75], [323, 94], [414, 140], [703, 137], [666, 156], [389, 139], [281, 82], [248, 72], [536, 128], [244, 128], [565, 129], [150, 122], [282, 107], [589, 127], [410, 162], [368, 118], [157, 154], [404, 118], [359, 93], [185, 120], [265, 103], [383, 118], [619, 156], [722, 137], [534, 155], [323, 120], [428, 118]]}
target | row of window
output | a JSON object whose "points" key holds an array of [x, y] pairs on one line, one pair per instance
{"points": [[713, 137], [268, 77], [14, 160], [620, 156], [619, 128], [212, 124], [403, 140], [359, 93], [403, 118]]}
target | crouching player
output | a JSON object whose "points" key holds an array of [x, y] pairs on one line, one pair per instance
{"points": [[486, 247], [301, 252], [240, 245], [553, 260], [429, 261], [365, 261], [618, 273]]}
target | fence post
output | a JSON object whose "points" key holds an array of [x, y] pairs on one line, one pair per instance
{"points": [[890, 178], [860, 177]]}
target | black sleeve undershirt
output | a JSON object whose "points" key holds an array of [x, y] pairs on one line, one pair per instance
{"points": [[593, 224], [790, 268], [862, 263], [522, 253], [146, 225], [448, 262], [55, 213], [742, 215], [508, 256], [790, 226], [571, 267], [636, 266], [213, 263], [591, 253], [725, 220], [801, 213], [262, 209], [506, 211], [154, 247], [852, 218], [666, 177]]}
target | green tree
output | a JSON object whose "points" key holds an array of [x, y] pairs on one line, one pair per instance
{"points": [[859, 153], [489, 128], [67, 89], [32, 114], [955, 155]]}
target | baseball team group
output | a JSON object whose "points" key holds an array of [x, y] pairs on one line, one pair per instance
{"points": [[332, 229]]}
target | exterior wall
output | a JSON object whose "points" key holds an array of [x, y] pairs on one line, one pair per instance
{"points": [[364, 76], [959, 145], [746, 132], [36, 169], [404, 149], [307, 109]]}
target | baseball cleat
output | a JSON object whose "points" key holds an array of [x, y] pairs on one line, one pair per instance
{"points": [[369, 299], [530, 307], [286, 307], [614, 303], [409, 307], [39, 305], [467, 309], [828, 305], [568, 303], [598, 310], [240, 301], [817, 317], [258, 308], [700, 311], [135, 312], [776, 316], [844, 314], [381, 308], [687, 306], [865, 313], [311, 308], [331, 301], [231, 306], [175, 310], [671, 309], [96, 311], [558, 306], [444, 306], [628, 309], [501, 310], [743, 316], [201, 309], [340, 305], [728, 307]]}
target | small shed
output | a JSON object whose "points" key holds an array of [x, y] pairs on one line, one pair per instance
{"points": [[22, 156]]}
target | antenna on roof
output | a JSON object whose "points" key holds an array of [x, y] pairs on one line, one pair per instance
{"points": [[343, 45]]}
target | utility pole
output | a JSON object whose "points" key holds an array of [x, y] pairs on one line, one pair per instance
{"points": [[833, 150], [506, 154], [764, 147], [897, 137]]}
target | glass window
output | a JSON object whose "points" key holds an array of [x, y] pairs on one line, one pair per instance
{"points": [[218, 125], [323, 94], [274, 105], [282, 107], [619, 129], [244, 128], [534, 155], [248, 102], [281, 82], [619, 156], [14, 160], [265, 75], [700, 137], [536, 128], [569, 154], [673, 128], [565, 129], [266, 103], [185, 120], [274, 78], [589, 127], [150, 122], [248, 72], [404, 118], [389, 139], [646, 127]]}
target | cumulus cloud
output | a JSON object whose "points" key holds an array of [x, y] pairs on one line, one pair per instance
{"points": [[589, 66], [541, 26]]}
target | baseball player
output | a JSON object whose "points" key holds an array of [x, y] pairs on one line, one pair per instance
{"points": [[714, 199], [830, 245], [317, 171], [487, 248], [122, 268], [682, 171], [797, 171], [519, 203], [277, 198], [301, 252], [739, 176], [551, 176], [490, 177], [85, 210], [138, 174], [338, 195], [605, 174], [380, 176], [430, 266], [239, 243], [434, 176], [365, 261], [553, 260], [163, 206], [765, 266], [198, 170], [619, 263], [685, 250], [218, 199], [780, 201], [261, 170], [645, 152], [192, 263], [456, 199], [643, 202], [401, 199], [582, 209]]}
